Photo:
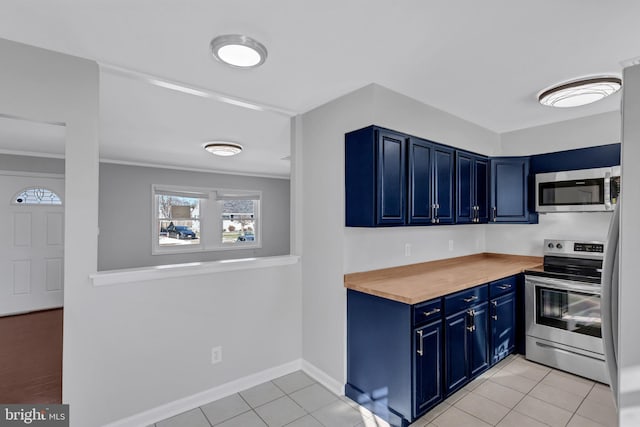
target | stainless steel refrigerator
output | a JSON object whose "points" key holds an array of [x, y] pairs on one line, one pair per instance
{"points": [[609, 301]]}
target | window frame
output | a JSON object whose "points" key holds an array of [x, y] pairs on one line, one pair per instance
{"points": [[210, 217]]}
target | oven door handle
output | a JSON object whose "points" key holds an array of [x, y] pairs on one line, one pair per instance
{"points": [[562, 285]]}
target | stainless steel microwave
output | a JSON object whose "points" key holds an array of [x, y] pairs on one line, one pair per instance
{"points": [[584, 190]]}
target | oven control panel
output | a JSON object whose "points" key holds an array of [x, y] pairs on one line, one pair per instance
{"points": [[573, 248]]}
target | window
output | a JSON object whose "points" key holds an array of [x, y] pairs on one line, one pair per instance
{"points": [[239, 214], [202, 219], [36, 196]]}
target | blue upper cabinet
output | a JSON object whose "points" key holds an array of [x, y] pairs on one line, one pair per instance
{"points": [[393, 179], [391, 176], [472, 180], [375, 178], [443, 189], [510, 199], [421, 159], [430, 183]]}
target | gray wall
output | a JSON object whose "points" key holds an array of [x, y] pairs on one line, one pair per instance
{"points": [[10, 162], [329, 248], [126, 210]]}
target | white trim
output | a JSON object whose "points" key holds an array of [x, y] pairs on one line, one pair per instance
{"points": [[32, 154], [32, 174], [189, 168], [189, 89], [11, 116], [129, 275], [179, 406], [146, 164], [334, 386]]}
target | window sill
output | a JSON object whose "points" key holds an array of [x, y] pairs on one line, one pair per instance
{"points": [[128, 275], [186, 249]]}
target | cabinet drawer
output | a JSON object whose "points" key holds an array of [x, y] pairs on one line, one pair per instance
{"points": [[428, 311], [502, 286], [465, 299]]}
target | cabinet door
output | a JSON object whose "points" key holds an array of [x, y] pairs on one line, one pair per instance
{"points": [[481, 175], [420, 185], [479, 340], [427, 367], [503, 326], [509, 189], [464, 188], [391, 178], [443, 175], [456, 361]]}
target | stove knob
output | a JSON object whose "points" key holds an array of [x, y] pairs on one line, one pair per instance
{"points": [[559, 246], [550, 245]]}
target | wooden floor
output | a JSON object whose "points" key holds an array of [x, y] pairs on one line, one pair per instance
{"points": [[31, 357]]}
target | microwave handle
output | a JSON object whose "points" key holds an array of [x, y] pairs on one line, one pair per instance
{"points": [[607, 191]]}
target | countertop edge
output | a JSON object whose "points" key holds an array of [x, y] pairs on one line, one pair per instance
{"points": [[363, 281]]}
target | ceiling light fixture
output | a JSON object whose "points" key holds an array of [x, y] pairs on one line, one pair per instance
{"points": [[222, 148], [580, 92], [238, 51]]}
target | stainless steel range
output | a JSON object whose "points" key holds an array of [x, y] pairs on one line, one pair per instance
{"points": [[562, 300]]}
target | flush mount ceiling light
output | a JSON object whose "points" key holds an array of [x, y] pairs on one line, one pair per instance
{"points": [[224, 149], [238, 51], [580, 92]]}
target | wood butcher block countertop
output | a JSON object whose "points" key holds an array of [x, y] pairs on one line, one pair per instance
{"points": [[416, 283]]}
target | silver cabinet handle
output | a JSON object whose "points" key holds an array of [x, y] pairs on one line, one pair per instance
{"points": [[433, 213], [495, 214], [420, 349], [503, 287], [471, 298], [429, 313], [495, 308]]}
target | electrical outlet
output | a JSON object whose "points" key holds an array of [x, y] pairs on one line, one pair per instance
{"points": [[216, 355], [407, 249], [450, 245]]}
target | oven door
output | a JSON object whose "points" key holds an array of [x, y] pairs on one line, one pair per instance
{"points": [[564, 312]]}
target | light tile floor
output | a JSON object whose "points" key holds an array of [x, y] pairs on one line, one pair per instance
{"points": [[514, 393]]}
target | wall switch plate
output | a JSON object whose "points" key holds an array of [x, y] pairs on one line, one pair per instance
{"points": [[450, 245], [407, 249], [216, 355]]}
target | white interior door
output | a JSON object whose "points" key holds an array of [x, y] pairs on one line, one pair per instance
{"points": [[32, 246]]}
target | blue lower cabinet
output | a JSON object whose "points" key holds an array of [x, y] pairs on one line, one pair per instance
{"points": [[479, 340], [402, 360], [385, 372], [456, 360], [466, 336], [427, 362], [503, 326]]}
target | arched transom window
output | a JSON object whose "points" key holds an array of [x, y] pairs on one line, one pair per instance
{"points": [[36, 196]]}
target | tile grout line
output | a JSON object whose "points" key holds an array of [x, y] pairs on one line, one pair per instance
{"points": [[205, 416], [251, 409], [528, 394], [581, 402]]}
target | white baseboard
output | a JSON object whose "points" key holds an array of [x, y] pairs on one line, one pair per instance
{"points": [[190, 402], [323, 378]]}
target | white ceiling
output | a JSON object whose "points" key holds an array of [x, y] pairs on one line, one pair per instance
{"points": [[482, 61]]}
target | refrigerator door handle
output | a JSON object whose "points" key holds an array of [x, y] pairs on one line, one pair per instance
{"points": [[609, 302]]}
